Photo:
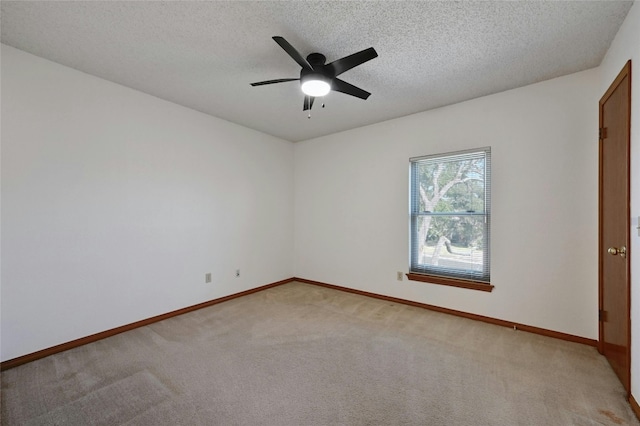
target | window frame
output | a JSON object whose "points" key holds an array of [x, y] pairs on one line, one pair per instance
{"points": [[447, 276]]}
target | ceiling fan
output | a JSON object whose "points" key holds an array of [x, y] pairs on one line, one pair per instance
{"points": [[317, 78]]}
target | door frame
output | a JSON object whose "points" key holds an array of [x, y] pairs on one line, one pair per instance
{"points": [[625, 72]]}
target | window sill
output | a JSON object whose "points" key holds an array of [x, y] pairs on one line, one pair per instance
{"points": [[432, 279]]}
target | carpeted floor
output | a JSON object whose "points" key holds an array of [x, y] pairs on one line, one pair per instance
{"points": [[299, 354]]}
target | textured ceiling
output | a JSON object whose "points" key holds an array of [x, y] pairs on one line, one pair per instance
{"points": [[203, 55]]}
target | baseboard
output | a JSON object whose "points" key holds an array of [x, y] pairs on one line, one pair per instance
{"points": [[634, 406], [108, 333], [496, 321]]}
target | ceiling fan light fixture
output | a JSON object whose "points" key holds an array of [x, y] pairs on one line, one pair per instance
{"points": [[315, 86]]}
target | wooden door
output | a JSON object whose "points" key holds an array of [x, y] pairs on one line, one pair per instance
{"points": [[614, 226]]}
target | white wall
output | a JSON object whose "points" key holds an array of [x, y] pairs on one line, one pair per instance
{"points": [[626, 46], [351, 203], [115, 204]]}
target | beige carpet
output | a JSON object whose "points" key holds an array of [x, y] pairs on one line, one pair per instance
{"points": [[299, 354]]}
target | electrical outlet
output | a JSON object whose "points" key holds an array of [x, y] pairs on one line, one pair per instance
{"points": [[207, 277], [237, 273], [399, 276]]}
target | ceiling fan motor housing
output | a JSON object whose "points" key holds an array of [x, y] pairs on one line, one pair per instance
{"points": [[318, 72], [306, 75]]}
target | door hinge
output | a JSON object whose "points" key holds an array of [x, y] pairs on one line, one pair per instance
{"points": [[602, 133], [602, 315]]}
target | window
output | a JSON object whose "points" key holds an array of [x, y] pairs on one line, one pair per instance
{"points": [[450, 219]]}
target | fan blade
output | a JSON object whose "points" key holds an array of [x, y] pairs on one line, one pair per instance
{"points": [[345, 64], [280, 80], [349, 89], [292, 52], [308, 102]]}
